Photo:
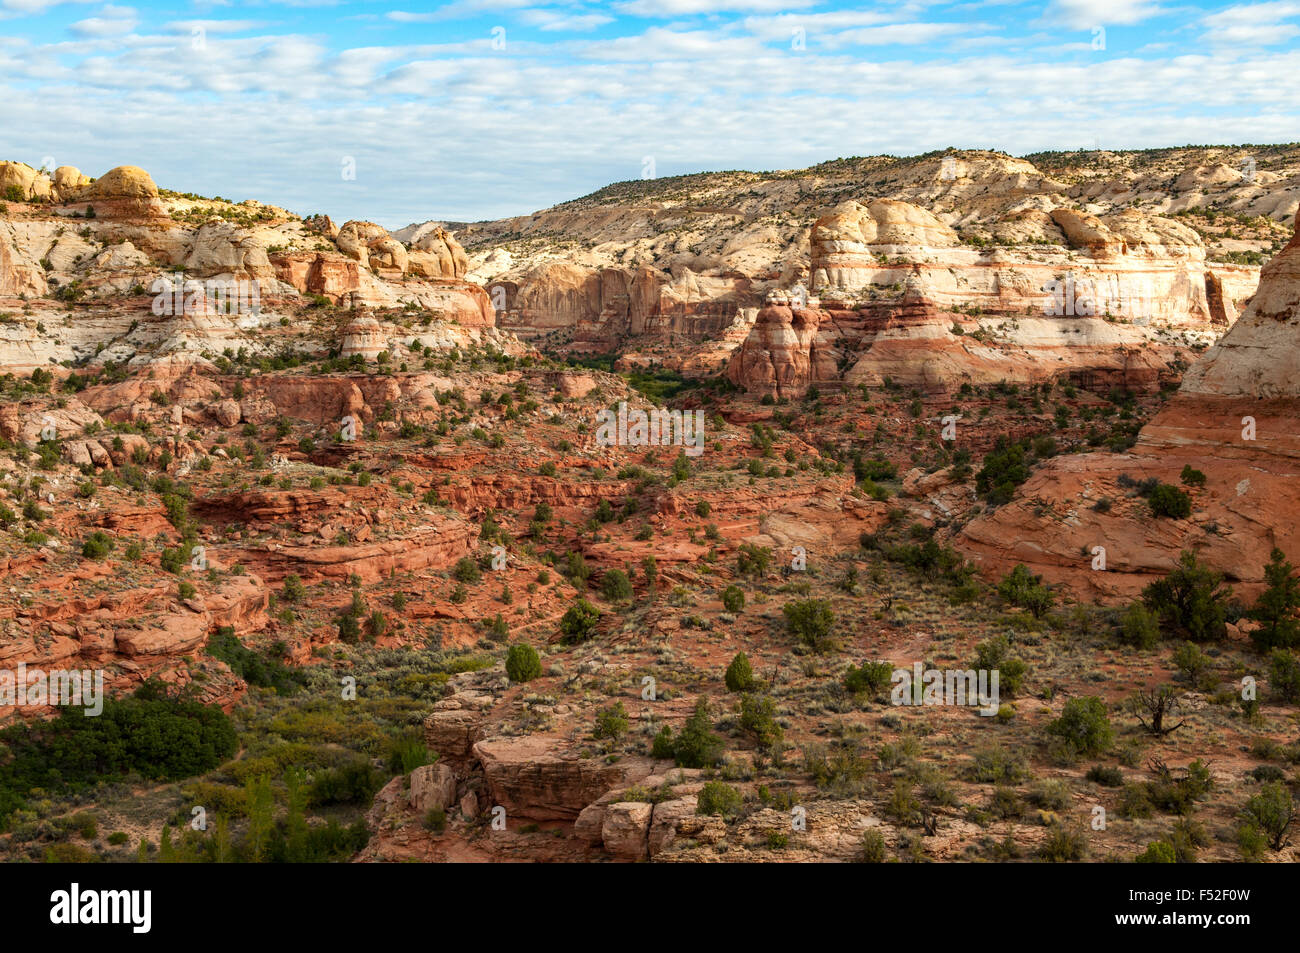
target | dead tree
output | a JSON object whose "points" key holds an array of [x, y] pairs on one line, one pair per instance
{"points": [[1157, 704]]}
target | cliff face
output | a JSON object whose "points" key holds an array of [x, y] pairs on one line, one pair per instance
{"points": [[1236, 418], [152, 275], [657, 270]]}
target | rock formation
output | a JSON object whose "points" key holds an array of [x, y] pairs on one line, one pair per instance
{"points": [[1233, 419]]}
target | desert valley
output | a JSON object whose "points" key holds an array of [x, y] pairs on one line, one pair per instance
{"points": [[330, 512]]}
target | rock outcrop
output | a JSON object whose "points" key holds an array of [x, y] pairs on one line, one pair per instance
{"points": [[1234, 419]]}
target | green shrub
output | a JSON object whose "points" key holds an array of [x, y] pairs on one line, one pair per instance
{"points": [[718, 797], [758, 720], [873, 847], [1062, 846], [1105, 776], [467, 570], [407, 752], [1191, 601], [812, 622], [1271, 812], [579, 622], [615, 586], [1157, 852], [733, 599], [1083, 727], [1023, 589], [753, 560], [1275, 611], [870, 679], [1284, 675], [739, 676], [1139, 626], [1167, 500], [611, 722], [523, 663], [97, 545], [696, 746]]}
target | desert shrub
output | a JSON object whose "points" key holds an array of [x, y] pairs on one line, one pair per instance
{"points": [[1191, 601], [873, 847], [995, 655], [353, 783], [1023, 589], [1005, 468], [406, 752], [997, 765], [870, 679], [97, 545], [1157, 852], [1083, 727], [733, 599], [739, 676], [718, 797], [611, 722], [1062, 845], [1175, 791], [467, 571], [615, 586], [293, 589], [1167, 500], [753, 560], [253, 667], [1284, 675], [1275, 611], [1271, 813], [696, 746], [1192, 662], [1105, 776], [1139, 626], [523, 664], [579, 623], [758, 720], [812, 622], [1192, 477], [1050, 795]]}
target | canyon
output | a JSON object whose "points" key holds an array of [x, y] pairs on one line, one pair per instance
{"points": [[346, 485]]}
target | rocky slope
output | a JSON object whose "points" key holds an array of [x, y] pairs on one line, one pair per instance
{"points": [[115, 269], [1232, 419], [658, 270]]}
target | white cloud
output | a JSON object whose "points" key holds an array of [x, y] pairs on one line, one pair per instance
{"points": [[14, 8], [664, 9], [894, 34], [1253, 25], [112, 21], [213, 26], [553, 20], [1085, 14]]}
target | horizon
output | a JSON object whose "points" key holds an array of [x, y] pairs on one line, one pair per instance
{"points": [[452, 113]]}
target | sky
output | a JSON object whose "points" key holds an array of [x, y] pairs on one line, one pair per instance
{"points": [[397, 111]]}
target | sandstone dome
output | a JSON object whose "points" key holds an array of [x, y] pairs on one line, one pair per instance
{"points": [[125, 192], [29, 183], [126, 181]]}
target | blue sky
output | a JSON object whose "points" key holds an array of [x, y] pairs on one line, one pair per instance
{"points": [[484, 108]]}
